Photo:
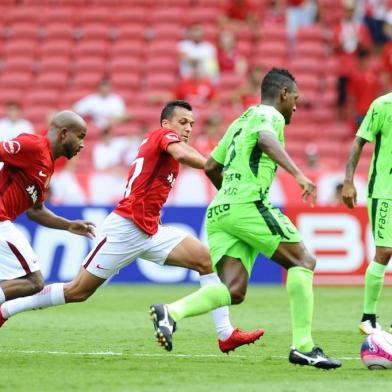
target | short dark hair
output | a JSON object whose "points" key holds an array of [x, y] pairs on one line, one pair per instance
{"points": [[167, 111], [274, 81]]}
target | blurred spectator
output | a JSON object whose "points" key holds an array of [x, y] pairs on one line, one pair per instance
{"points": [[197, 49], [229, 58], [374, 15], [365, 86], [274, 12], [312, 159], [350, 35], [196, 89], [211, 133], [13, 124], [239, 12], [65, 187], [104, 107], [249, 94], [299, 13]]}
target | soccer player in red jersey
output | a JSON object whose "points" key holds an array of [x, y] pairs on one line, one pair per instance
{"points": [[27, 165], [133, 230]]}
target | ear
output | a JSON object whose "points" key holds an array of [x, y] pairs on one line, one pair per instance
{"points": [[63, 133], [284, 93]]}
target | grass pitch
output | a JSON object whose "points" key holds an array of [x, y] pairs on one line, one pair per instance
{"points": [[107, 344]]}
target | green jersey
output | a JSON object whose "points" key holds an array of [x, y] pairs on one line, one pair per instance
{"points": [[377, 127], [248, 172]]}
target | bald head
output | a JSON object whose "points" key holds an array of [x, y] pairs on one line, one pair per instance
{"points": [[68, 120]]}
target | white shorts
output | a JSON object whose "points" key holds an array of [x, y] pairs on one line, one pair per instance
{"points": [[17, 257], [122, 242]]}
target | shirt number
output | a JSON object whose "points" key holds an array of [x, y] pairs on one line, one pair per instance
{"points": [[138, 169]]}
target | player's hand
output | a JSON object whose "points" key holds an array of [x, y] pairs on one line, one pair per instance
{"points": [[349, 194], [309, 189], [82, 227]]}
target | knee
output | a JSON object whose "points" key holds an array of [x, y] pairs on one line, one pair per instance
{"points": [[308, 262], [204, 266], [237, 295], [36, 284]]}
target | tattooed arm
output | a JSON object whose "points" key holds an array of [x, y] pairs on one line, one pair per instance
{"points": [[349, 193]]}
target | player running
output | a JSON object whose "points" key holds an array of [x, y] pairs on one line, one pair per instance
{"points": [[133, 230], [376, 127], [28, 164], [242, 223]]}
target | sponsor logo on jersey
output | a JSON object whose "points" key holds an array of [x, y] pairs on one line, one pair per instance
{"points": [[172, 136], [11, 146], [32, 191]]}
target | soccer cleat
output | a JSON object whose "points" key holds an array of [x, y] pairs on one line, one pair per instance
{"points": [[367, 327], [315, 358], [164, 325], [239, 338]]}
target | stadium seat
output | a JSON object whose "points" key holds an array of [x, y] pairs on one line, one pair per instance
{"points": [[300, 64], [95, 31], [61, 48], [87, 80], [167, 31], [74, 94], [23, 30], [21, 47], [19, 64], [125, 80], [161, 64], [160, 81], [161, 48], [145, 114], [202, 15], [16, 80], [95, 14], [168, 15], [126, 49], [58, 14], [269, 49], [310, 49], [10, 95], [54, 63], [89, 64], [129, 64], [59, 30], [127, 16], [131, 32], [91, 47], [315, 33], [38, 114], [52, 80], [41, 97], [23, 14], [230, 81], [273, 33]]}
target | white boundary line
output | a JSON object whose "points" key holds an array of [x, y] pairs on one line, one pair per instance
{"points": [[119, 354]]}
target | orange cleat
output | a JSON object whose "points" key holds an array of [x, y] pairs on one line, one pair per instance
{"points": [[239, 338]]}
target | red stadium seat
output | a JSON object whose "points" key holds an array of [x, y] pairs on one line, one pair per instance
{"points": [[202, 15], [129, 64], [167, 31], [38, 114], [87, 80], [95, 14], [95, 31], [160, 81], [23, 14], [58, 14], [161, 64], [61, 48], [41, 97], [72, 95], [161, 48], [123, 81], [59, 30], [167, 14], [89, 64], [268, 62], [230, 81], [52, 80], [145, 114], [313, 33], [310, 49], [19, 64], [23, 30], [276, 49], [126, 49], [131, 32], [273, 33], [129, 15], [304, 65], [21, 47], [91, 48], [10, 95], [16, 80], [55, 63]]}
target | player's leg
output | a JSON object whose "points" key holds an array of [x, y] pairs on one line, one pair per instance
{"points": [[381, 223], [21, 287]]}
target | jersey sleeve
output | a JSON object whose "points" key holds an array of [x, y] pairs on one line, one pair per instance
{"points": [[372, 123], [19, 152], [219, 152], [168, 137]]}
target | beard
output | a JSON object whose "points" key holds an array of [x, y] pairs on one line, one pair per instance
{"points": [[69, 152]]}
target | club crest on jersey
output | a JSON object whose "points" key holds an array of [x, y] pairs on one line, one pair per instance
{"points": [[171, 179], [32, 192], [11, 146], [172, 136]]}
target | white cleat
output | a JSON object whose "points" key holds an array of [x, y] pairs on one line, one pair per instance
{"points": [[366, 327]]}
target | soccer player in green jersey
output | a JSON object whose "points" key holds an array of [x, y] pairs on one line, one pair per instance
{"points": [[242, 223], [376, 127]]}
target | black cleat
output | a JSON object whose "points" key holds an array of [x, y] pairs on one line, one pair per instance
{"points": [[164, 325], [315, 358]]}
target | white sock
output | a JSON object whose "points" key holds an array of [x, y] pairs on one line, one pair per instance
{"points": [[220, 315], [2, 296], [50, 295]]}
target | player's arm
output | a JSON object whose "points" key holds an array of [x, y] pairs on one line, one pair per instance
{"points": [[214, 171], [349, 193], [269, 144], [187, 155], [42, 215]]}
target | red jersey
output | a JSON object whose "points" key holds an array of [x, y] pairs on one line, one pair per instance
{"points": [[25, 176], [151, 177]]}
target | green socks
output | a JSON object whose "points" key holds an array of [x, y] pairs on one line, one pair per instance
{"points": [[300, 289], [201, 301], [374, 281]]}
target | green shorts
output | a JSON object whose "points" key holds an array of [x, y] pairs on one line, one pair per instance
{"points": [[243, 231], [380, 218]]}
